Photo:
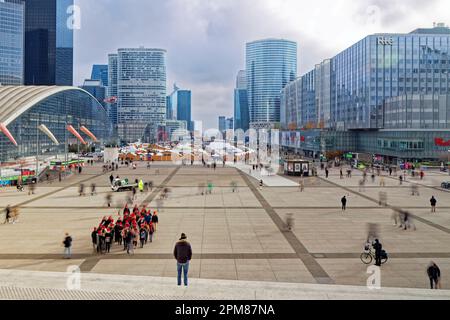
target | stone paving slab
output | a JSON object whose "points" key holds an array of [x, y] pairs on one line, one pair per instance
{"points": [[35, 285]]}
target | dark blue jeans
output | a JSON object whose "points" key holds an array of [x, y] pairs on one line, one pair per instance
{"points": [[185, 268]]}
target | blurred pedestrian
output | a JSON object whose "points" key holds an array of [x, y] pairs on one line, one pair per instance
{"points": [[67, 246], [93, 189], [433, 203], [344, 203]]}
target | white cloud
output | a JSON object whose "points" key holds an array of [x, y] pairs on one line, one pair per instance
{"points": [[206, 39]]}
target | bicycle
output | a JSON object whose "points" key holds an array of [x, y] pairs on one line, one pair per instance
{"points": [[368, 256]]}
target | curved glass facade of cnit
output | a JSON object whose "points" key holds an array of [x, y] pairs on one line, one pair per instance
{"points": [[270, 65], [53, 107]]}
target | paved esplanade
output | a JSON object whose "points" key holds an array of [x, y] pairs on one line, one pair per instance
{"points": [[237, 235]]}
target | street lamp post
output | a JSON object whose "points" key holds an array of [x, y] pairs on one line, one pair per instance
{"points": [[37, 152]]}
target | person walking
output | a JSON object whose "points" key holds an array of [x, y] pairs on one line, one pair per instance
{"points": [[382, 182], [93, 189], [111, 179], [327, 172], [183, 254], [141, 186], [81, 190], [7, 214], [67, 242], [155, 220], [142, 236], [433, 203], [344, 203], [434, 274], [302, 185], [151, 231], [94, 239], [261, 184], [378, 247]]}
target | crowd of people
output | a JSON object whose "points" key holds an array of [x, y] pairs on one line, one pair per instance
{"points": [[134, 227]]}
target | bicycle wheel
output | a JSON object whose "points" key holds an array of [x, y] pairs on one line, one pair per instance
{"points": [[384, 259], [366, 258]]}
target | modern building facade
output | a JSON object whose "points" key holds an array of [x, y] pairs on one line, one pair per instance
{"points": [[179, 106], [386, 87], [100, 72], [229, 124], [184, 112], [174, 127], [241, 112], [241, 80], [270, 65], [141, 93], [48, 42], [222, 123], [96, 89], [24, 108], [112, 89], [12, 37]]}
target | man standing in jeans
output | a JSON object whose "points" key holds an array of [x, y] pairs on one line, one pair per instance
{"points": [[183, 254], [67, 246]]}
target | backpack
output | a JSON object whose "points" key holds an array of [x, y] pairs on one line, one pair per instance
{"points": [[67, 241]]}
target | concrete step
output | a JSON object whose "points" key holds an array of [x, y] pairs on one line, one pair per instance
{"points": [[35, 285]]}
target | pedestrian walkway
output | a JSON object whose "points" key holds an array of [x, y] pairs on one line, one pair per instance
{"points": [[53, 285], [272, 180]]}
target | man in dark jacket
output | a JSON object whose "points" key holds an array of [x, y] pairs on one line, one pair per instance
{"points": [[344, 203], [434, 273], [94, 239], [183, 253], [378, 248], [433, 202]]}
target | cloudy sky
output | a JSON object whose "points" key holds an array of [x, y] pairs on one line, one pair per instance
{"points": [[205, 39]]}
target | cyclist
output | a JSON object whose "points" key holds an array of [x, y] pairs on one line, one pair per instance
{"points": [[378, 248]]}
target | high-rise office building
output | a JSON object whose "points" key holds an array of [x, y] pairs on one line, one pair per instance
{"points": [[241, 80], [141, 93], [112, 89], [12, 33], [241, 112], [48, 42], [222, 123], [387, 95], [229, 124], [96, 89], [184, 107], [270, 65], [100, 72], [179, 106]]}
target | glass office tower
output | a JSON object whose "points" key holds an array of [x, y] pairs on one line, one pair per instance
{"points": [[112, 88], [48, 42], [141, 91], [12, 33], [387, 65], [100, 72], [270, 65], [184, 107], [241, 112]]}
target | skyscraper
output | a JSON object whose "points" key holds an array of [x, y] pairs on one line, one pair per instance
{"points": [[48, 43], [270, 65], [141, 88], [241, 113], [100, 72], [112, 89], [12, 33], [179, 106], [222, 123], [184, 107], [241, 80]]}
